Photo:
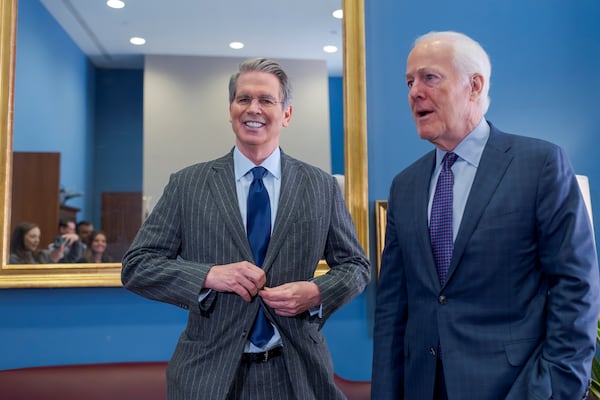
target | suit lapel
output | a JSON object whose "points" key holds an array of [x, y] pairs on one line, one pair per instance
{"points": [[221, 181], [292, 187], [492, 167], [421, 186]]}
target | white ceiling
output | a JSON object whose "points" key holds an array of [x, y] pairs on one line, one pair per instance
{"points": [[296, 29]]}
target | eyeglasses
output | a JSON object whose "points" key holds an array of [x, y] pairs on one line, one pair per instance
{"points": [[263, 101]]}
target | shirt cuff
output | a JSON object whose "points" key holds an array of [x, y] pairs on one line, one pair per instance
{"points": [[204, 294], [318, 311]]}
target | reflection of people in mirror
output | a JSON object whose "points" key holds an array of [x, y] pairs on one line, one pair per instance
{"points": [[84, 229], [67, 242], [24, 246], [236, 241], [95, 252]]}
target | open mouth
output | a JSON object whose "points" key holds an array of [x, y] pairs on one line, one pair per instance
{"points": [[423, 113]]}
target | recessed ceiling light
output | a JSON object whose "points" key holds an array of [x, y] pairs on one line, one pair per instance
{"points": [[236, 45], [330, 49], [115, 4], [339, 14], [138, 41]]}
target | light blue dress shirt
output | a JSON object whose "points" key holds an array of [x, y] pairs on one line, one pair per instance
{"points": [[272, 180], [242, 167], [243, 178], [469, 152]]}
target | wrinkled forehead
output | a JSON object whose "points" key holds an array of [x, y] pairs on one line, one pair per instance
{"points": [[435, 53]]}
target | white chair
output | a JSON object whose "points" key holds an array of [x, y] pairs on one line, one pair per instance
{"points": [[584, 186]]}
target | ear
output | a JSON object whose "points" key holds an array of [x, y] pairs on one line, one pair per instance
{"points": [[287, 116], [476, 84]]}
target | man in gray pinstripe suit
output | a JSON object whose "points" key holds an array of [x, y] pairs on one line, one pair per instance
{"points": [[192, 251]]}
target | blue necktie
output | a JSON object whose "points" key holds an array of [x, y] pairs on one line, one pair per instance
{"points": [[440, 224], [258, 225]]}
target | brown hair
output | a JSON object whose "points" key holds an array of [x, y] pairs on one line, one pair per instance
{"points": [[17, 243]]}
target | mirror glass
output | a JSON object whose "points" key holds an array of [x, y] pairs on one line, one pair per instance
{"points": [[107, 274], [180, 84]]}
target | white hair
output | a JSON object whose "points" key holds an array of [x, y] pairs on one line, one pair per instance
{"points": [[469, 58]]}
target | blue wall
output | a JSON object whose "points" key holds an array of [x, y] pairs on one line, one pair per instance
{"points": [[336, 124], [118, 134], [54, 98], [544, 83]]}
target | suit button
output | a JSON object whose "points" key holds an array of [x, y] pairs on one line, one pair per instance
{"points": [[442, 299], [432, 351]]}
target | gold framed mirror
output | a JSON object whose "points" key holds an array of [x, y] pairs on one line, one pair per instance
{"points": [[108, 274]]}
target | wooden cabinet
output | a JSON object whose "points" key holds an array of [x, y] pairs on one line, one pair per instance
{"points": [[68, 213], [121, 219], [35, 192]]}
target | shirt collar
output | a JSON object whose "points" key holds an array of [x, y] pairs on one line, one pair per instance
{"points": [[471, 147], [242, 165]]}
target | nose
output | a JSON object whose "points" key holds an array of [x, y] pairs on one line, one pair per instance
{"points": [[254, 106], [415, 90]]}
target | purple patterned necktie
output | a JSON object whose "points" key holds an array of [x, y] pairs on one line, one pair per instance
{"points": [[440, 225], [258, 225]]}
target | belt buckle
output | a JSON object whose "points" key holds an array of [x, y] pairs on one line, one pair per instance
{"points": [[266, 356]]}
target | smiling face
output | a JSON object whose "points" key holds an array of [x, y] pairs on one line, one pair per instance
{"points": [[31, 240], [443, 101], [98, 243], [257, 116]]}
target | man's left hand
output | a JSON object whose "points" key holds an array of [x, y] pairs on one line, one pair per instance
{"points": [[292, 298]]}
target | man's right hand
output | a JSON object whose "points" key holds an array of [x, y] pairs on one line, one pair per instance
{"points": [[243, 278]]}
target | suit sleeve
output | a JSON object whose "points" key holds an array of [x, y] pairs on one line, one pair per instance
{"points": [[567, 254], [151, 266], [349, 268]]}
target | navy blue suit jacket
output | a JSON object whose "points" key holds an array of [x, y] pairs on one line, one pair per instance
{"points": [[517, 316]]}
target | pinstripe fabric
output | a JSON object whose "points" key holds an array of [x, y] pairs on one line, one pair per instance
{"points": [[250, 382], [197, 224], [517, 316]]}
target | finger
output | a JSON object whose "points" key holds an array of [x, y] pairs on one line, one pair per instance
{"points": [[275, 304], [244, 291], [287, 311], [257, 276], [245, 287], [244, 294], [274, 294]]}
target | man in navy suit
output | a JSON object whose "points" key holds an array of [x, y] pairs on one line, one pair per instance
{"points": [[510, 310]]}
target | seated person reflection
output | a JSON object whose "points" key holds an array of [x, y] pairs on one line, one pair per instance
{"points": [[24, 246], [68, 242], [84, 229], [95, 252]]}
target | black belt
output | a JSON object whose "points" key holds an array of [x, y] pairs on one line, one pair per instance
{"points": [[261, 357]]}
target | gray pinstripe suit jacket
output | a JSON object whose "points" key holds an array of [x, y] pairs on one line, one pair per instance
{"points": [[197, 224]]}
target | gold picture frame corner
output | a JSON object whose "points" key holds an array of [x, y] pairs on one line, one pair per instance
{"points": [[380, 224]]}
